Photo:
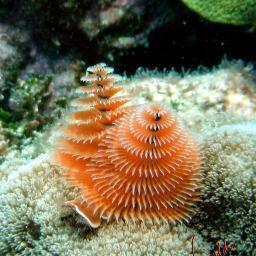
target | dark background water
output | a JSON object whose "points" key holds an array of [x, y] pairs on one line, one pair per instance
{"points": [[172, 35], [206, 45]]}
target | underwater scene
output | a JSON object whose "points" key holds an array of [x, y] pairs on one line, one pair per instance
{"points": [[128, 128]]}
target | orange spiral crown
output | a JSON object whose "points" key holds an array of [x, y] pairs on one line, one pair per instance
{"points": [[129, 163], [146, 168], [94, 113]]}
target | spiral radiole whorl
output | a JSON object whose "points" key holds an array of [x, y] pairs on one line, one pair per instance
{"points": [[146, 168]]}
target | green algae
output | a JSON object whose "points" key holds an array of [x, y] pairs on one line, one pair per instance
{"points": [[31, 106]]}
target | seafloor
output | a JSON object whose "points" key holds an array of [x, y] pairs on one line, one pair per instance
{"points": [[218, 105], [45, 48]]}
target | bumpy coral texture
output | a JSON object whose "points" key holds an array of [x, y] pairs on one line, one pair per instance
{"points": [[35, 222], [196, 96], [228, 208]]}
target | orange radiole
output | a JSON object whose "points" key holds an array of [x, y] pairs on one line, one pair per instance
{"points": [[130, 163]]}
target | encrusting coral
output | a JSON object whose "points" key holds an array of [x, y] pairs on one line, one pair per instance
{"points": [[34, 221], [144, 167], [224, 92], [228, 207]]}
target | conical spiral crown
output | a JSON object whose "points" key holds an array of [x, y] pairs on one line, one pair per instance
{"points": [[101, 106], [146, 168]]}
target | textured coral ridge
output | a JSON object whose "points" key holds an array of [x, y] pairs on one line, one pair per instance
{"points": [[146, 168], [94, 113]]}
